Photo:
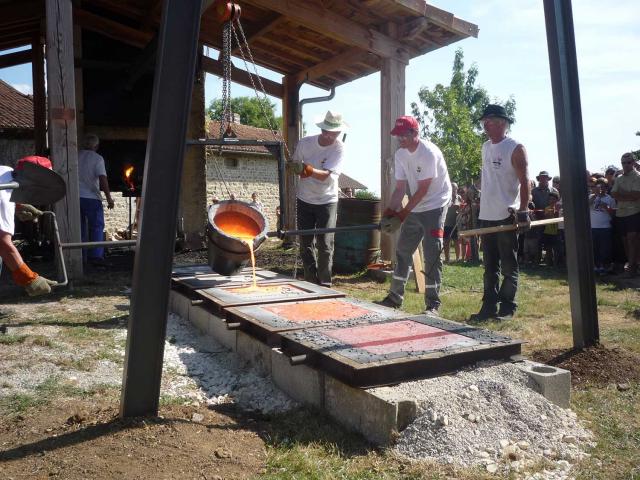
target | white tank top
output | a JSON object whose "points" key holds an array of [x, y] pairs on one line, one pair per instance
{"points": [[500, 184]]}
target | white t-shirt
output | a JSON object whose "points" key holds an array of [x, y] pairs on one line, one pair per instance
{"points": [[7, 207], [500, 184], [600, 217], [312, 190], [426, 162], [90, 167]]}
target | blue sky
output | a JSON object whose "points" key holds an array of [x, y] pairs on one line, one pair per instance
{"points": [[511, 55]]}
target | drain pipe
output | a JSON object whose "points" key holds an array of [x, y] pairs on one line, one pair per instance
{"points": [[304, 101]]}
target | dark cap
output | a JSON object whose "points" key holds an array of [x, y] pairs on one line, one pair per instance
{"points": [[493, 110], [543, 173]]}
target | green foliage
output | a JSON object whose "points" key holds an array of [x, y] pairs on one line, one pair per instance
{"points": [[366, 195], [449, 118], [257, 112]]}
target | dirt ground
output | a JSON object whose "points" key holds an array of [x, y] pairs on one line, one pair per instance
{"points": [[86, 439], [594, 366]]}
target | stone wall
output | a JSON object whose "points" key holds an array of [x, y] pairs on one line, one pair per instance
{"points": [[243, 174]]}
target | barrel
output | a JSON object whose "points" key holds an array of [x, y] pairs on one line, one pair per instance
{"points": [[228, 254], [353, 251]]}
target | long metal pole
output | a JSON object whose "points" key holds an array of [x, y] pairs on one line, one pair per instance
{"points": [[568, 114], [172, 89]]}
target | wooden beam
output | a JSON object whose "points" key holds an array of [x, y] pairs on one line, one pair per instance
{"points": [[440, 17], [241, 77], [63, 142], [271, 25], [291, 126], [112, 29], [336, 26], [16, 58], [20, 12], [39, 96], [350, 56], [392, 104]]}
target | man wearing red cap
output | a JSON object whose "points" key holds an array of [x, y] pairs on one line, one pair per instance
{"points": [[33, 283], [419, 165]]}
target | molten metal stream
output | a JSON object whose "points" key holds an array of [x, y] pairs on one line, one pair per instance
{"points": [[246, 229]]}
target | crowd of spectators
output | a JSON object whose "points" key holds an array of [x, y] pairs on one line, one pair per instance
{"points": [[614, 207]]}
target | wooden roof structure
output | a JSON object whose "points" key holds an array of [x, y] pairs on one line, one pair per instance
{"points": [[326, 43]]}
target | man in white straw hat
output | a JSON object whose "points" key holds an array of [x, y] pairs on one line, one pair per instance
{"points": [[318, 161]]}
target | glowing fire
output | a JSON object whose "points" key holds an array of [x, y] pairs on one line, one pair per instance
{"points": [[127, 177]]}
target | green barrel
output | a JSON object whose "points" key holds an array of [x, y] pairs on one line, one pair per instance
{"points": [[355, 250]]}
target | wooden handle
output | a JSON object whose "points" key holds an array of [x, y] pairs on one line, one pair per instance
{"points": [[508, 228]]}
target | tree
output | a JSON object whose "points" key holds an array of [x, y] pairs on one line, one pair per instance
{"points": [[449, 117], [257, 112]]}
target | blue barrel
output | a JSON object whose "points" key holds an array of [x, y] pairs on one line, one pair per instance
{"points": [[355, 250]]}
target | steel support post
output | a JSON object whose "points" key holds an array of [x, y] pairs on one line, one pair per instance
{"points": [[172, 89], [569, 134]]}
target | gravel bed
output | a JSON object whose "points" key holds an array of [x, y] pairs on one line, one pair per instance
{"points": [[490, 416]]}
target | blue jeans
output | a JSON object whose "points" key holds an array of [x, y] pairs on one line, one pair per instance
{"points": [[602, 246], [92, 225], [500, 257]]}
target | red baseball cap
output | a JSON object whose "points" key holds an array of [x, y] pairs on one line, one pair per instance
{"points": [[404, 125], [42, 161]]}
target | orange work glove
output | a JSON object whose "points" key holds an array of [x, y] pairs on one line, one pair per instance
{"points": [[307, 170], [23, 275]]}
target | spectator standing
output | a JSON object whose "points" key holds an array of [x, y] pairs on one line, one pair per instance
{"points": [[601, 208], [255, 203], [540, 197], [550, 233], [92, 178], [626, 192]]}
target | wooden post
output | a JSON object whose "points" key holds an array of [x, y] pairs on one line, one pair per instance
{"points": [[39, 96], [391, 106], [193, 187], [291, 134], [63, 141]]}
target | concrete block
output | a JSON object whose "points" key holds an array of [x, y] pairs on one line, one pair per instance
{"points": [[217, 328], [181, 305], [300, 382], [199, 317], [254, 351], [363, 411], [552, 382]]}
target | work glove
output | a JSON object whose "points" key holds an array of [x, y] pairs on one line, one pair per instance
{"points": [[27, 213], [524, 221], [390, 224], [39, 286], [300, 168]]}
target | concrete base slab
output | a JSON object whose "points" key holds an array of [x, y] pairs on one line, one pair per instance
{"points": [[553, 383], [303, 384], [254, 351], [217, 328]]}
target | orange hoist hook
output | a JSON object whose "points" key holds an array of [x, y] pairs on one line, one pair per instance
{"points": [[226, 11]]}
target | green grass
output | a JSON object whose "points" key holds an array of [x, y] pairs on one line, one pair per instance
{"points": [[12, 339]]}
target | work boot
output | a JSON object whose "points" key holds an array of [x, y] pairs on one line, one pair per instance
{"points": [[485, 314], [388, 302]]}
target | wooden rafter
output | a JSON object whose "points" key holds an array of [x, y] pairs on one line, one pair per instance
{"points": [[439, 17], [350, 56], [336, 26], [272, 24], [112, 29], [15, 58], [240, 76]]}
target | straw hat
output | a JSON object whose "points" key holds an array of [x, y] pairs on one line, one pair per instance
{"points": [[333, 122]]}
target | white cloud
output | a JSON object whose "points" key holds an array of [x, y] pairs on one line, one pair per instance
{"points": [[23, 88]]}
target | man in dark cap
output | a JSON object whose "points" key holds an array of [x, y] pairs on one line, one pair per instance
{"points": [[505, 192]]}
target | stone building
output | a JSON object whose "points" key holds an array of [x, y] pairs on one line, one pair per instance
{"points": [[16, 125]]}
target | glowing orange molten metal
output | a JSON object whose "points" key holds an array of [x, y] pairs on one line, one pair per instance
{"points": [[243, 227]]}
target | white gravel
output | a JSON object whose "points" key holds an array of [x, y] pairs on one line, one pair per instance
{"points": [[195, 368], [490, 416], [198, 367]]}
